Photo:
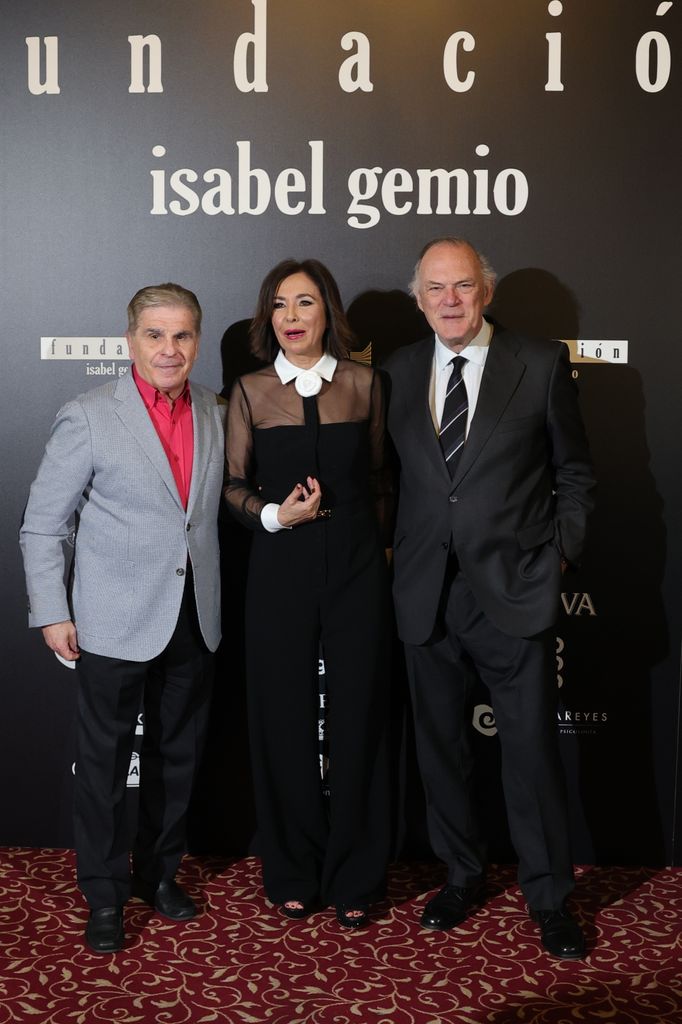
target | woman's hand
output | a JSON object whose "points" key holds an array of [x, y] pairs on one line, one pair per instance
{"points": [[301, 505]]}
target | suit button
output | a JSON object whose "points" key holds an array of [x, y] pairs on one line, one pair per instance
{"points": [[179, 572], [445, 545], [453, 498], [188, 527]]}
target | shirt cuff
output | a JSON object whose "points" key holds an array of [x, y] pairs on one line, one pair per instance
{"points": [[269, 520]]}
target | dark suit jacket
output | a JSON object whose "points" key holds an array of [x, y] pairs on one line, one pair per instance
{"points": [[520, 497]]}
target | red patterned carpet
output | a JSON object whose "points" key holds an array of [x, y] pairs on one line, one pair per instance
{"points": [[241, 962]]}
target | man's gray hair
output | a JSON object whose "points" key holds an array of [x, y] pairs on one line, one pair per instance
{"points": [[489, 275], [168, 294]]}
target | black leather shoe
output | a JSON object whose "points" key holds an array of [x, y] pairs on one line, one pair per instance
{"points": [[561, 934], [173, 902], [104, 930], [448, 908], [352, 915]]}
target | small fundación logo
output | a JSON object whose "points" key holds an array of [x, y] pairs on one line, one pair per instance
{"points": [[100, 357], [585, 350], [83, 348]]}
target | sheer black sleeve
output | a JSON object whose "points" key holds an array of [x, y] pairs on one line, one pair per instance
{"points": [[259, 401], [241, 495]]}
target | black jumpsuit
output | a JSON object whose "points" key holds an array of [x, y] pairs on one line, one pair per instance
{"points": [[324, 582]]}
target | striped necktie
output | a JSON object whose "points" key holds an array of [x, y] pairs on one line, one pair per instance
{"points": [[454, 419]]}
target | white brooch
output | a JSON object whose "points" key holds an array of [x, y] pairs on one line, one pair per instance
{"points": [[308, 383]]}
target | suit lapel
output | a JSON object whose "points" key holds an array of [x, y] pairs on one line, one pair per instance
{"points": [[132, 412], [501, 376], [419, 411], [201, 417]]}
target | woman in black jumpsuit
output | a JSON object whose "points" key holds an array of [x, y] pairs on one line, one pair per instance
{"points": [[307, 471]]}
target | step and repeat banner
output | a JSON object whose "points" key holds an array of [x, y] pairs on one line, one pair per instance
{"points": [[203, 142]]}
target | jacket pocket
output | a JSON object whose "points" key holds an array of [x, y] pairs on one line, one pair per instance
{"points": [[518, 423], [536, 534]]}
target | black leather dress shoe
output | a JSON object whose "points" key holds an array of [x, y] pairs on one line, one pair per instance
{"points": [[173, 902], [561, 934], [104, 930], [449, 907]]}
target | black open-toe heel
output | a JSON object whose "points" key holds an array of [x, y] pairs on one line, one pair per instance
{"points": [[352, 915], [297, 913]]}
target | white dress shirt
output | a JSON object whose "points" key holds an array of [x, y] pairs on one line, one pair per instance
{"points": [[475, 353], [287, 372]]}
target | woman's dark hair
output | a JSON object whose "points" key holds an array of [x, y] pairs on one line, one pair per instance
{"points": [[338, 336]]}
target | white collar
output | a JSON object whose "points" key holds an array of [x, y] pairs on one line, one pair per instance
{"points": [[476, 350], [287, 372]]}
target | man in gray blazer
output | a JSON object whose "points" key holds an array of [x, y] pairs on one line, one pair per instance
{"points": [[495, 488], [130, 485]]}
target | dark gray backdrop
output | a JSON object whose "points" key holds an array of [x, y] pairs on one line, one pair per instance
{"points": [[592, 255]]}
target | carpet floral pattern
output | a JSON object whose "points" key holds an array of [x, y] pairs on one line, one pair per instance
{"points": [[241, 962]]}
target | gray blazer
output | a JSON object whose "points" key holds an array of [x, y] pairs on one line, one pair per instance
{"points": [[105, 494]]}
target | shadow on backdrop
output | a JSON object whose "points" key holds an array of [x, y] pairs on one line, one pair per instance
{"points": [[388, 320], [609, 655], [535, 302], [222, 816], [628, 637]]}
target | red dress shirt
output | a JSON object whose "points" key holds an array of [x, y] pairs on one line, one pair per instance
{"points": [[175, 428]]}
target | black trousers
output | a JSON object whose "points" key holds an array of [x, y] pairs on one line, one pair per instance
{"points": [[333, 849], [173, 691], [520, 674]]}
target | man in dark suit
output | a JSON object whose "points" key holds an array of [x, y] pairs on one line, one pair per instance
{"points": [[133, 471], [495, 489]]}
